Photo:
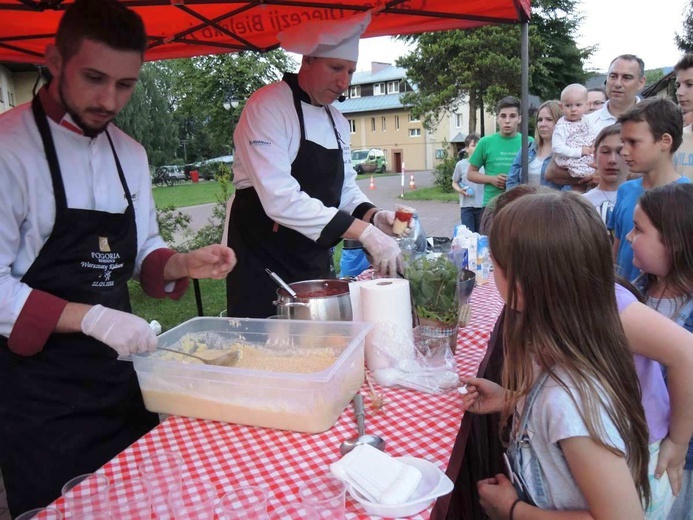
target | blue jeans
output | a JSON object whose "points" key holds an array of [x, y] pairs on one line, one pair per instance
{"points": [[471, 217]]}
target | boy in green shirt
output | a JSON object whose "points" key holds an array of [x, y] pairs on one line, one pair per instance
{"points": [[496, 152]]}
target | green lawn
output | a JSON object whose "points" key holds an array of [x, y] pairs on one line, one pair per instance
{"points": [[187, 194], [432, 193]]}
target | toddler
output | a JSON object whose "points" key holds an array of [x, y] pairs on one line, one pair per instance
{"points": [[573, 134]]}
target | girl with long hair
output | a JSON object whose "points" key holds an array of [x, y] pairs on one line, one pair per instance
{"points": [[579, 438], [539, 151], [663, 251]]}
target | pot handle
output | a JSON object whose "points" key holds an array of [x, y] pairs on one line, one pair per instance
{"points": [[290, 304]]}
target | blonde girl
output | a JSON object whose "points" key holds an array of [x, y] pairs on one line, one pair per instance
{"points": [[579, 441], [663, 251]]}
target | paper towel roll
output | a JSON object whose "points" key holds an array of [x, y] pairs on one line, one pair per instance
{"points": [[385, 302]]}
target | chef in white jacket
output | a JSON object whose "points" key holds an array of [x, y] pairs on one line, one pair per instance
{"points": [[296, 194]]}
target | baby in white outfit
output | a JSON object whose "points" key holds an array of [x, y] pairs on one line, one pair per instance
{"points": [[573, 134]]}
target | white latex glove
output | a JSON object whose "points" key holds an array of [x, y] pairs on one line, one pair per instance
{"points": [[384, 250], [384, 221], [123, 332]]}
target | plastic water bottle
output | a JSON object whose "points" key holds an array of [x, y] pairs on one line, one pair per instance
{"points": [[483, 265]]}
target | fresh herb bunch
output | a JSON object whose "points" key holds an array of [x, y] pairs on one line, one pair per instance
{"points": [[433, 285]]}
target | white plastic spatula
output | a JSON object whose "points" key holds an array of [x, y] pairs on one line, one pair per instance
{"points": [[377, 476]]}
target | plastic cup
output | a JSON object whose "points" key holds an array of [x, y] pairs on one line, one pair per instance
{"points": [[194, 500], [326, 495], [86, 495], [245, 503], [43, 513], [403, 215], [294, 512], [162, 475], [130, 499]]}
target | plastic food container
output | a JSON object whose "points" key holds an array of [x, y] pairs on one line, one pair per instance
{"points": [[302, 402], [434, 483]]}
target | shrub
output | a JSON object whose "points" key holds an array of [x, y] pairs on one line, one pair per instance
{"points": [[443, 174]]}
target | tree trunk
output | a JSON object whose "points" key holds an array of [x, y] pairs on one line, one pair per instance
{"points": [[472, 112], [483, 119]]}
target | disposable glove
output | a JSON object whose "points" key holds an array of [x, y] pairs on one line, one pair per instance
{"points": [[123, 332], [384, 220], [383, 249]]}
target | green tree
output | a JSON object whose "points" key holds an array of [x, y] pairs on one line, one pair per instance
{"points": [[147, 118], [200, 86], [484, 64], [653, 75], [684, 41]]}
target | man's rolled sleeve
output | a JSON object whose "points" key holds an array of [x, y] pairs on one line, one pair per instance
{"points": [[152, 276], [36, 322]]}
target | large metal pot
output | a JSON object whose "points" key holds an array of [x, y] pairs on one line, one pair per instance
{"points": [[324, 300]]}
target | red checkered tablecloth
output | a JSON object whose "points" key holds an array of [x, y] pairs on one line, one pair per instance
{"points": [[230, 455]]}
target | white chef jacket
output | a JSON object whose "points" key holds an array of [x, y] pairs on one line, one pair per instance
{"points": [[267, 140], [90, 176]]}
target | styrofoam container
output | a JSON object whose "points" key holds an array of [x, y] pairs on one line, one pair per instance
{"points": [[302, 402], [434, 483]]}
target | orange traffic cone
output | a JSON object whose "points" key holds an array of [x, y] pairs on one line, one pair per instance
{"points": [[412, 184], [372, 186]]}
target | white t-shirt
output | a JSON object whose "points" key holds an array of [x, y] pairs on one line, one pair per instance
{"points": [[597, 197], [27, 202], [267, 140], [555, 417], [534, 171]]}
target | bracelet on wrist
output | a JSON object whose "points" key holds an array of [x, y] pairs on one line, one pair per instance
{"points": [[512, 508]]}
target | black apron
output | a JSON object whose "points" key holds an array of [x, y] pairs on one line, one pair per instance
{"points": [[260, 243], [73, 406]]}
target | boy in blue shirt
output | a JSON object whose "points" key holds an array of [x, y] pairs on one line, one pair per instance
{"points": [[651, 132]]}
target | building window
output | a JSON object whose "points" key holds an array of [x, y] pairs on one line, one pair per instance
{"points": [[372, 124], [352, 126], [378, 89], [396, 122], [355, 91], [393, 87], [414, 132], [413, 119], [440, 153], [458, 120], [11, 96], [383, 123]]}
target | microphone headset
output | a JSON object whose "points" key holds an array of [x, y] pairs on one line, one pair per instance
{"points": [[341, 98]]}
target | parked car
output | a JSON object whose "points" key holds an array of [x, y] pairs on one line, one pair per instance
{"points": [[209, 168], [369, 161]]}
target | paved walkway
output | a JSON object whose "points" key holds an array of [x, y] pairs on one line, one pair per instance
{"points": [[438, 218]]}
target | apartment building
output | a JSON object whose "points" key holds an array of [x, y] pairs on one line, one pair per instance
{"points": [[378, 119], [17, 82]]}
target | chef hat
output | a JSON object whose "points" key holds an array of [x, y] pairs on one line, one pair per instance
{"points": [[327, 39]]}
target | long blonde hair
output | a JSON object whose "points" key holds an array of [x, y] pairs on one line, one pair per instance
{"points": [[554, 108], [556, 256]]}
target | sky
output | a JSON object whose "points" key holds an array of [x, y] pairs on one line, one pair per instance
{"points": [[616, 26]]}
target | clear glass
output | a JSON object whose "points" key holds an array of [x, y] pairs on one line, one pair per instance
{"points": [[161, 473], [44, 513], [130, 499], [194, 500], [86, 494], [326, 495], [293, 512], [245, 503]]}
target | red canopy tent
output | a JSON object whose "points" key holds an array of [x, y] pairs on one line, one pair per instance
{"points": [[184, 28]]}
